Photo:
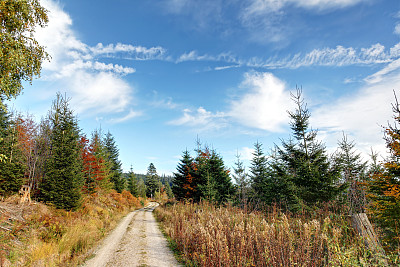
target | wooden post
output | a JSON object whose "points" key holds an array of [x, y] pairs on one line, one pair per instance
{"points": [[362, 225]]}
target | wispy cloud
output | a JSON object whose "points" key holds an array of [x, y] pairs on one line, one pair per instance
{"points": [[262, 7], [380, 75], [338, 56], [130, 115], [201, 119], [134, 52], [195, 56]]}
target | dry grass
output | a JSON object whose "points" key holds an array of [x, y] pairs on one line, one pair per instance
{"points": [[44, 236], [226, 236]]}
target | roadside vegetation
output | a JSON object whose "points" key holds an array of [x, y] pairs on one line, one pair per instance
{"points": [[41, 235], [210, 235]]}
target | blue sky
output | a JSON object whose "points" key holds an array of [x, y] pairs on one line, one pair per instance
{"points": [[160, 74]]}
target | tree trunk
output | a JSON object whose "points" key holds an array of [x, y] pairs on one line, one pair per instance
{"points": [[362, 225]]}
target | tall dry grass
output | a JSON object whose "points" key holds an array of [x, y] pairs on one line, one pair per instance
{"points": [[51, 237], [207, 235]]}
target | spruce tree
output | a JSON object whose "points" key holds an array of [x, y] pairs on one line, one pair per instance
{"points": [[63, 180], [349, 162], [152, 181], [133, 183], [183, 183], [222, 181], [11, 163], [259, 172], [242, 181], [168, 191], [305, 162], [212, 177], [115, 164]]}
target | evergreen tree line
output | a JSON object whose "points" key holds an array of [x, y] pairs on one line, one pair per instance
{"points": [[300, 174], [55, 159]]}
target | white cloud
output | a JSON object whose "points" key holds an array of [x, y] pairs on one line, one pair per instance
{"points": [[265, 104], [98, 93], [95, 87], [397, 29], [58, 38], [201, 119], [362, 114]]}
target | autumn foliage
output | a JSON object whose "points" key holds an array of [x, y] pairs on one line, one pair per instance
{"points": [[384, 191]]}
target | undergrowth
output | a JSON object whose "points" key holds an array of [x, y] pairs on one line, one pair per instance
{"points": [[208, 235], [45, 236]]}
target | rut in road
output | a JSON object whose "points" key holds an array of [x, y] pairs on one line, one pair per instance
{"points": [[136, 241]]}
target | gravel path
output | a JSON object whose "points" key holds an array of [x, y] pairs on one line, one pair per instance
{"points": [[137, 241]]}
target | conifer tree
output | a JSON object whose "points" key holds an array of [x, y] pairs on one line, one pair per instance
{"points": [[101, 166], [349, 162], [222, 181], [212, 177], [203, 179], [142, 188], [184, 186], [133, 183], [152, 181], [259, 172], [63, 180], [304, 161], [115, 164], [241, 179], [168, 191], [11, 167], [352, 170]]}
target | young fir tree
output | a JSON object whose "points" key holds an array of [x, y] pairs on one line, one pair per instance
{"points": [[168, 191], [384, 186], [183, 183], [115, 164], [352, 170], [259, 172], [152, 181], [242, 181], [305, 162], [11, 167], [133, 183], [62, 183], [349, 162]]}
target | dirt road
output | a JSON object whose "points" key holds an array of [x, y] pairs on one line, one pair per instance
{"points": [[137, 241]]}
